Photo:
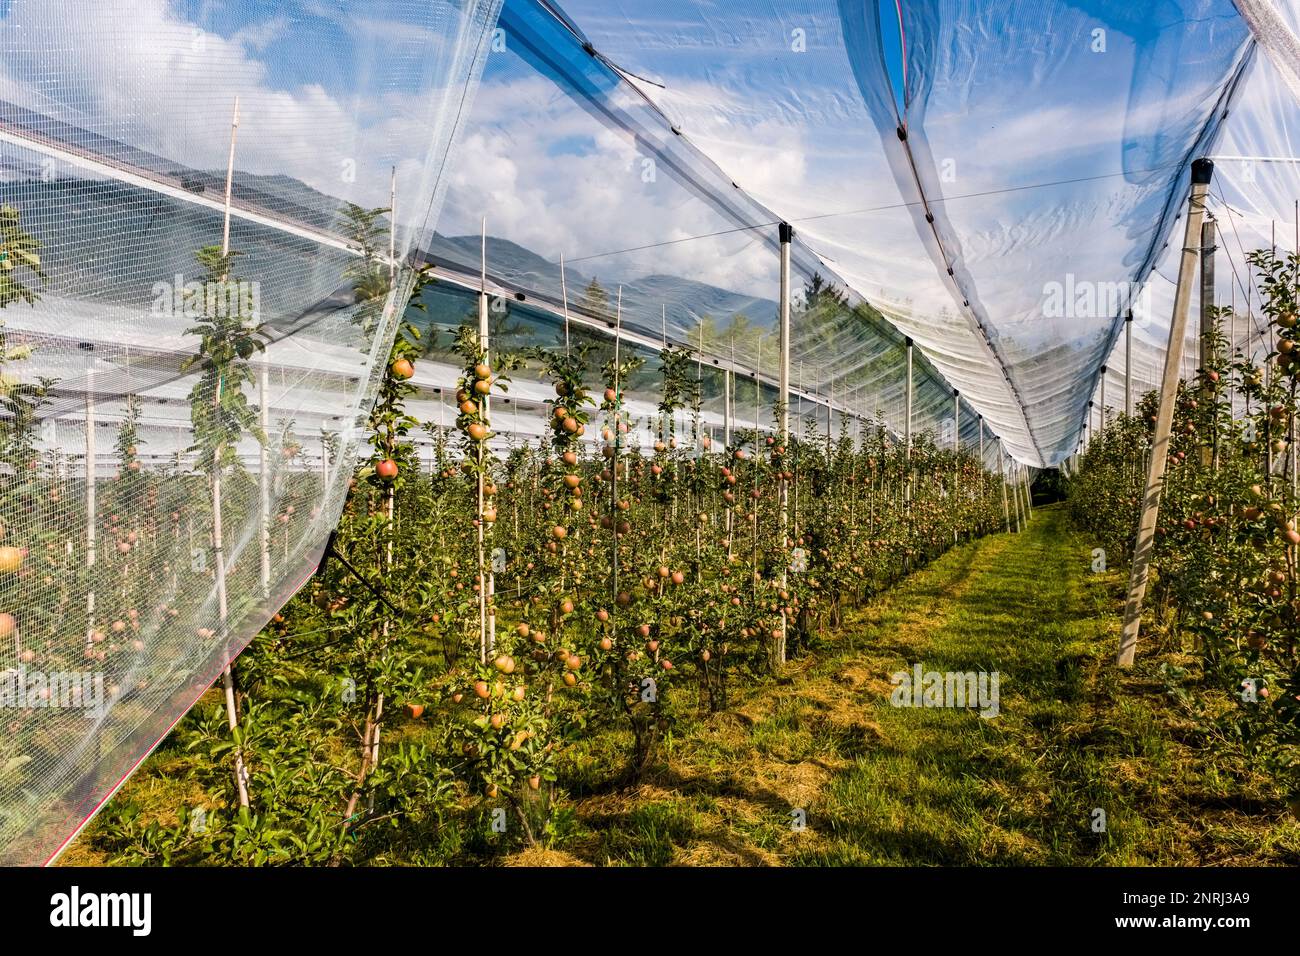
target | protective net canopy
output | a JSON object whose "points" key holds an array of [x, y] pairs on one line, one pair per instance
{"points": [[1000, 182], [213, 215], [207, 220]]}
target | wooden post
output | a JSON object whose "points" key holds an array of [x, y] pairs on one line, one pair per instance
{"points": [[1202, 171]]}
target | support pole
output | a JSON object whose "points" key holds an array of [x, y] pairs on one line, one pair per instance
{"points": [[218, 545], [786, 232], [1208, 248], [1101, 423], [392, 227], [728, 414], [618, 448], [91, 517], [956, 421], [564, 297], [1128, 364], [907, 425], [1202, 172], [726, 408], [1013, 476], [264, 479], [1207, 350], [1002, 479], [830, 411], [486, 606], [956, 451]]}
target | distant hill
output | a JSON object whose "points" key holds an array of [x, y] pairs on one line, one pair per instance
{"points": [[684, 299]]}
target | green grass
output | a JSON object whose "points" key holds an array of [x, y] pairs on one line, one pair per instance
{"points": [[898, 786], [1074, 734]]}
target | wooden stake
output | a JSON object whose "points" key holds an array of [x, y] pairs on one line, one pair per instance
{"points": [[1202, 171]]}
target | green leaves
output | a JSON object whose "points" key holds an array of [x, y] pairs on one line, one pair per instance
{"points": [[18, 258]]}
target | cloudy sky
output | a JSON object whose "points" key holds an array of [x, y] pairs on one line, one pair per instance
{"points": [[1049, 136], [332, 95]]}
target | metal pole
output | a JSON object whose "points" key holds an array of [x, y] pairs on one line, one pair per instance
{"points": [[1002, 479], [726, 408], [1128, 363], [1014, 477], [1101, 424], [564, 296], [264, 481], [1208, 248], [218, 545], [786, 234], [487, 608], [392, 227], [618, 447], [91, 516], [230, 176], [1202, 172], [830, 410], [907, 424], [1207, 351]]}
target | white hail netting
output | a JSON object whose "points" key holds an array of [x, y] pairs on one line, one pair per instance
{"points": [[115, 138], [1252, 204], [569, 162], [994, 179], [1042, 171]]}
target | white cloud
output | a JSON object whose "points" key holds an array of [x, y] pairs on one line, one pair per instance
{"points": [[135, 71]]}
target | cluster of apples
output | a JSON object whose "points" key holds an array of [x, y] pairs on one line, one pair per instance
{"points": [[386, 468]]}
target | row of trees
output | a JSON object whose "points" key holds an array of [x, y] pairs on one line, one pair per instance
{"points": [[479, 620], [1224, 579]]}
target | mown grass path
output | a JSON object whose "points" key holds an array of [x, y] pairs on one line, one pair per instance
{"points": [[883, 785]]}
